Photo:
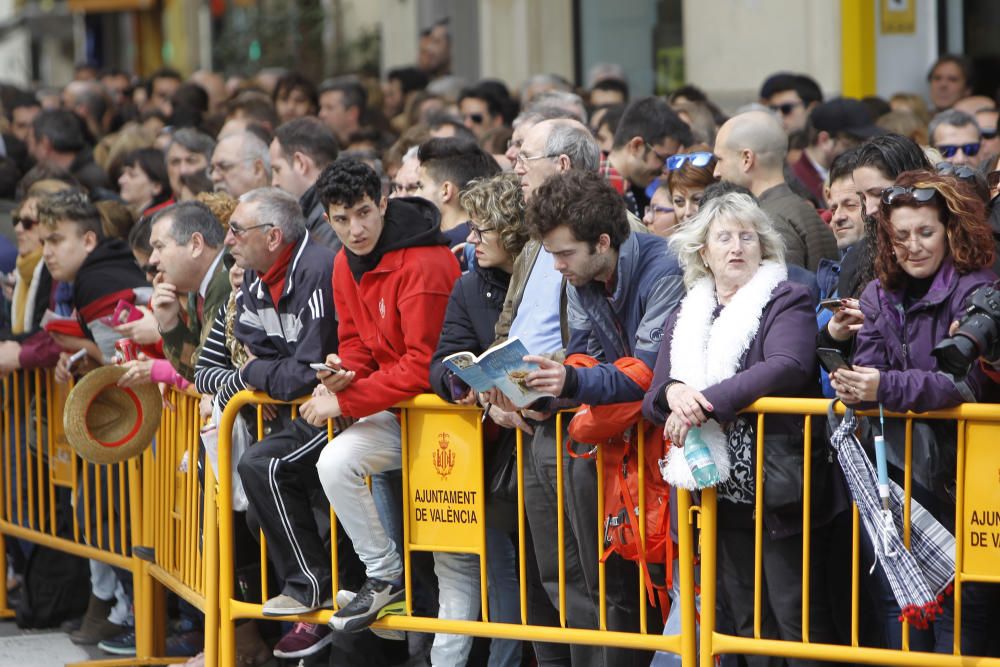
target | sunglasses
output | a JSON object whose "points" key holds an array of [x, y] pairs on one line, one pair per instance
{"points": [[949, 150], [989, 134], [26, 223], [476, 118], [895, 194], [786, 108], [696, 160], [961, 171]]}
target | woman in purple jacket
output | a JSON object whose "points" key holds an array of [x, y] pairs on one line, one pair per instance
{"points": [[743, 331], [934, 250]]}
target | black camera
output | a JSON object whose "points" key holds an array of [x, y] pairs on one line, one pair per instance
{"points": [[978, 334]]}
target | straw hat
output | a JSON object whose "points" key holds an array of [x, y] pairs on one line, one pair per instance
{"points": [[105, 423]]}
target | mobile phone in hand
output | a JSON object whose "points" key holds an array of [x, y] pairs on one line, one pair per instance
{"points": [[321, 367], [831, 304], [832, 359]]}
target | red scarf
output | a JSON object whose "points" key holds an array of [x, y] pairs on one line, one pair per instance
{"points": [[275, 276]]}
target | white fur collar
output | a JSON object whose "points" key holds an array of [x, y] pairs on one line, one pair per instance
{"points": [[703, 352]]}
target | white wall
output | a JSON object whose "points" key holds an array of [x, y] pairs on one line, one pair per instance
{"points": [[903, 60], [731, 46], [400, 32], [519, 38], [15, 55]]}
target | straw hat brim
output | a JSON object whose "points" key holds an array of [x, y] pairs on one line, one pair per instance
{"points": [[105, 423]]}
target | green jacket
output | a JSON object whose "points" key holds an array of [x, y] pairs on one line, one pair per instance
{"points": [[183, 343]]}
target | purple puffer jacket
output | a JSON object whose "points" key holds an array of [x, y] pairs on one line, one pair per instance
{"points": [[898, 341]]}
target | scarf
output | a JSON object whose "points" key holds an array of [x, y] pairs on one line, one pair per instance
{"points": [[274, 278], [25, 291], [705, 350]]}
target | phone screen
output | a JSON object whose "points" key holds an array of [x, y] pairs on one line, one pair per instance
{"points": [[832, 359]]}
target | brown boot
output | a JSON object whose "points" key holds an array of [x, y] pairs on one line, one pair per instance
{"points": [[96, 627]]}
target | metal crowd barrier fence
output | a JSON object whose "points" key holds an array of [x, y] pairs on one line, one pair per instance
{"points": [[174, 512], [53, 498]]}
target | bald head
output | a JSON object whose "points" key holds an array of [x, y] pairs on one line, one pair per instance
{"points": [[974, 103], [751, 147]]}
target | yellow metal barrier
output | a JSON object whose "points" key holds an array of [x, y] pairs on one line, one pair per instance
{"points": [[978, 426], [421, 440], [115, 505]]}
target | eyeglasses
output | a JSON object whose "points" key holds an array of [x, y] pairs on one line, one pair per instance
{"points": [[895, 194], [475, 118], [26, 223], [786, 108], [961, 171], [477, 232], [523, 159], [989, 134], [238, 231], [696, 160], [658, 209], [949, 150], [659, 156], [225, 167]]}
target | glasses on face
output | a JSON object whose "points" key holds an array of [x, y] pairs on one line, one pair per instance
{"points": [[897, 194], [474, 118], [224, 167], [950, 150], [989, 134], [523, 159], [239, 231], [660, 157], [477, 232], [961, 171], [25, 222], [784, 109], [696, 160], [657, 210]]}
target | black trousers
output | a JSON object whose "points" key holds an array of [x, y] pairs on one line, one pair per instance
{"points": [[781, 607], [285, 497], [580, 520]]}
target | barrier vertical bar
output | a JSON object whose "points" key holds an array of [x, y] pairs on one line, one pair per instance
{"points": [[758, 530], [18, 500], [211, 569], [709, 509], [685, 566], [602, 582], [521, 528], [959, 536], [907, 490], [404, 443], [641, 465], [40, 399], [561, 521], [855, 573], [806, 525]]}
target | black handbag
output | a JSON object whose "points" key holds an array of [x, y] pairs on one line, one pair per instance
{"points": [[501, 467]]}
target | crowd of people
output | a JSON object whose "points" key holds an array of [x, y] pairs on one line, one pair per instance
{"points": [[263, 226]]}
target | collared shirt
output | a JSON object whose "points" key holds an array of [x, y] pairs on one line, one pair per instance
{"points": [[537, 319], [621, 185], [203, 288]]}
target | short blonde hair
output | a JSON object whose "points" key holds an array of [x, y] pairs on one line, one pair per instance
{"points": [[691, 236], [498, 201]]}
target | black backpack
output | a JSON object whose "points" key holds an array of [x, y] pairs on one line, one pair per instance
{"points": [[56, 588]]}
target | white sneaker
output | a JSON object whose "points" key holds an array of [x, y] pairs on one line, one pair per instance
{"points": [[344, 598]]}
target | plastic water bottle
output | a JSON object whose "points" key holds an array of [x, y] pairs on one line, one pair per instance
{"points": [[699, 459]]}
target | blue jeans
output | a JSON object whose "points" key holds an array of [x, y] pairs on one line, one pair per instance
{"points": [[504, 595]]}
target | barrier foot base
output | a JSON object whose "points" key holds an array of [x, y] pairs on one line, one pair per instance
{"points": [[7, 613], [127, 662]]}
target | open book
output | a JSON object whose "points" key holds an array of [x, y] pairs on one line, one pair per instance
{"points": [[502, 367]]}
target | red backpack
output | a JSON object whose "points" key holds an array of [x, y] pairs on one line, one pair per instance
{"points": [[614, 429]]}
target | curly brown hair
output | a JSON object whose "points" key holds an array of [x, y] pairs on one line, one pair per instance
{"points": [[498, 202], [221, 204], [963, 214]]}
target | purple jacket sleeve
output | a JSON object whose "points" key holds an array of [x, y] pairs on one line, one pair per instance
{"points": [[39, 351], [652, 409], [787, 342], [913, 389]]}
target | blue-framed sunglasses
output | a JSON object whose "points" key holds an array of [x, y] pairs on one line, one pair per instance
{"points": [[696, 160]]}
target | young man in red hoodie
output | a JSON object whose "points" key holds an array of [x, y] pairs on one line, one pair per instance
{"points": [[391, 283]]}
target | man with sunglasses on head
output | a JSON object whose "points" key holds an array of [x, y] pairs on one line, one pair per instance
{"points": [[957, 136], [649, 132]]}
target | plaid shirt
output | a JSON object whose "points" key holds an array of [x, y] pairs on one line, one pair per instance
{"points": [[620, 184]]}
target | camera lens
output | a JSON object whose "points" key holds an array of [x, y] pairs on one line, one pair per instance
{"points": [[956, 355]]}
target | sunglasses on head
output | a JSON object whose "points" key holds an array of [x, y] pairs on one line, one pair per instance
{"points": [[949, 150], [961, 171], [784, 109], [27, 223], [696, 160], [897, 193]]}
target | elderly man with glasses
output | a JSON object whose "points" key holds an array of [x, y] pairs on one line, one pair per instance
{"points": [[241, 163]]}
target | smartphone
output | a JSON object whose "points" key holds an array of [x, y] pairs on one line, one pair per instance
{"points": [[74, 359], [832, 359], [321, 367], [124, 313], [831, 304]]}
